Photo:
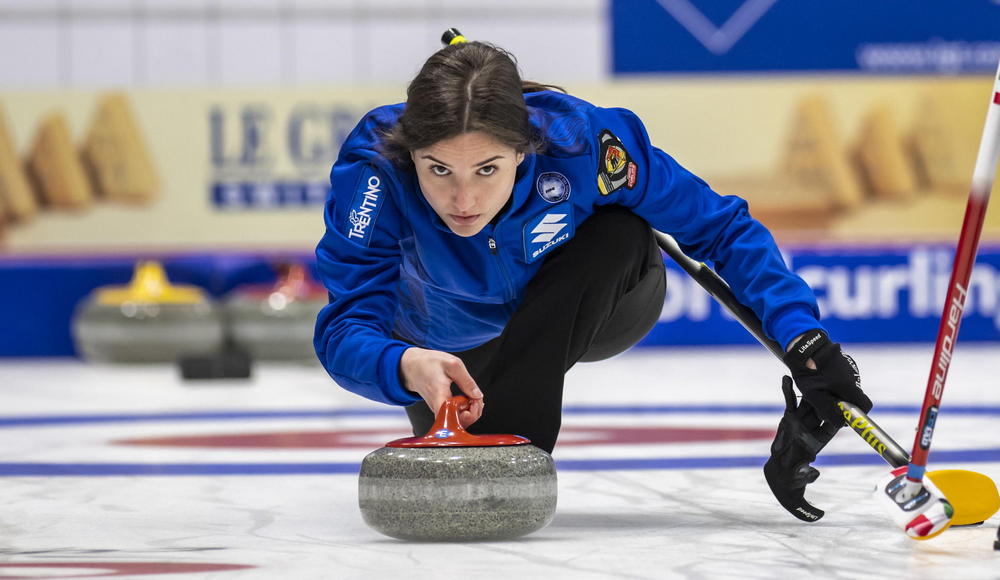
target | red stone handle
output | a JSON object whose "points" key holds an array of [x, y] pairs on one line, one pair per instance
{"points": [[447, 431]]}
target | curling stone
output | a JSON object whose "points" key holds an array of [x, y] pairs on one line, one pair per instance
{"points": [[451, 485], [149, 320], [276, 322]]}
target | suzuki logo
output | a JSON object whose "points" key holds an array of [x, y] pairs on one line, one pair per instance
{"points": [[548, 228]]}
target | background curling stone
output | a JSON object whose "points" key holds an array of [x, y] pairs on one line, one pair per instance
{"points": [[450, 485], [149, 320], [276, 322], [230, 362]]}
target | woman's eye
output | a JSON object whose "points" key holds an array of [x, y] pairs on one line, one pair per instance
{"points": [[439, 170], [488, 170]]}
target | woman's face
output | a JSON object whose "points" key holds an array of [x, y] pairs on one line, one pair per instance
{"points": [[467, 179]]}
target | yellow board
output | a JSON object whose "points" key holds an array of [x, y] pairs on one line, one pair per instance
{"points": [[56, 167], [764, 139], [781, 201], [973, 495], [944, 154], [116, 154], [882, 158], [17, 200], [816, 156]]}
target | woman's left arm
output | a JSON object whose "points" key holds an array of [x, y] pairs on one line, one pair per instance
{"points": [[710, 227]]}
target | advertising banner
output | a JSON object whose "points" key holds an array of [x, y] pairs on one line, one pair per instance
{"points": [[862, 180], [210, 169], [890, 294], [837, 160], [885, 37], [865, 294]]}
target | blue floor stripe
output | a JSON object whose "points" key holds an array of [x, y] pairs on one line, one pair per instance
{"points": [[856, 459], [964, 456], [158, 469], [757, 409], [28, 421], [39, 420]]}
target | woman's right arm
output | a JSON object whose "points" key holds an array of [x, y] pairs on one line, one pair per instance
{"points": [[358, 261]]}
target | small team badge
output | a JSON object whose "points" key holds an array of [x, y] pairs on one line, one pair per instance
{"points": [[615, 167], [553, 187], [443, 433]]}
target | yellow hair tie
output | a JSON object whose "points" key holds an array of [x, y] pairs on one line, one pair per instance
{"points": [[452, 36]]}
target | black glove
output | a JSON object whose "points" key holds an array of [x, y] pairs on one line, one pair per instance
{"points": [[799, 438], [836, 377]]}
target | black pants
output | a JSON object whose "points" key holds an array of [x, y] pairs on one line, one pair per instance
{"points": [[593, 298]]}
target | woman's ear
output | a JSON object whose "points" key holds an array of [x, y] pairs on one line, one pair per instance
{"points": [[520, 158]]}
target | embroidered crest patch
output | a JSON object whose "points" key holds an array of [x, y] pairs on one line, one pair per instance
{"points": [[615, 168]]}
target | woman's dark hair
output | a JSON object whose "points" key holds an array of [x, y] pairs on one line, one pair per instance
{"points": [[472, 86]]}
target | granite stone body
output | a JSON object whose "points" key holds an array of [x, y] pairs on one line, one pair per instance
{"points": [[146, 332], [274, 329], [458, 493]]}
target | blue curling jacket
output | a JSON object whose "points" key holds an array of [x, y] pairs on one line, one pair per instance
{"points": [[393, 267]]}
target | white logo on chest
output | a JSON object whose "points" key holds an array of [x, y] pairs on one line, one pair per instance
{"points": [[548, 228]]}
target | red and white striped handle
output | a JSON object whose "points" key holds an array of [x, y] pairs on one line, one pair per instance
{"points": [[958, 286]]}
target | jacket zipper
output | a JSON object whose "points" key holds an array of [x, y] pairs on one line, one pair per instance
{"points": [[503, 269]]}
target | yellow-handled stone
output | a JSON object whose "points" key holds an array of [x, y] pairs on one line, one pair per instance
{"points": [[149, 284]]}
